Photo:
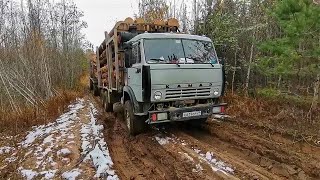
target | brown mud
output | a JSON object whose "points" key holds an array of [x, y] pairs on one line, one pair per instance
{"points": [[252, 152]]}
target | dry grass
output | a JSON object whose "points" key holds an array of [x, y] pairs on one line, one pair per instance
{"points": [[30, 116], [13, 123], [282, 113]]}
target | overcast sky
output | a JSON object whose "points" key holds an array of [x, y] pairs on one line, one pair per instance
{"points": [[101, 15]]}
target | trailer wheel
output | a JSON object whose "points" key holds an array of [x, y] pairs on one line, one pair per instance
{"points": [[90, 85], [108, 107], [95, 90], [135, 124], [102, 95]]}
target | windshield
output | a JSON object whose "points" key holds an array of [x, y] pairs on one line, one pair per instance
{"points": [[170, 51]]}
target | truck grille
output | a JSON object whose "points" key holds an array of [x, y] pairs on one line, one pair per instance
{"points": [[187, 93]]}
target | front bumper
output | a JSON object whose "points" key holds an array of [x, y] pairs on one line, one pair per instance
{"points": [[186, 113]]}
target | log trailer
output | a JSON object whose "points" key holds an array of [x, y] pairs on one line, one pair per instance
{"points": [[154, 74]]}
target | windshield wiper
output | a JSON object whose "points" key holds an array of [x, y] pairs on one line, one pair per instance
{"points": [[198, 60], [172, 58], [156, 59]]}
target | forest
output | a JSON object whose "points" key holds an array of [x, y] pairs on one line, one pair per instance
{"points": [[41, 59], [271, 49]]}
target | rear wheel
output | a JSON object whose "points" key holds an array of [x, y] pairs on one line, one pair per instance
{"points": [[108, 107], [135, 124], [90, 85], [95, 90], [102, 95]]}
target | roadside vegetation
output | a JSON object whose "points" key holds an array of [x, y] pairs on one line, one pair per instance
{"points": [[41, 61]]}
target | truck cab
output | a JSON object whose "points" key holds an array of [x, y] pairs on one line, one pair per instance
{"points": [[170, 77]]}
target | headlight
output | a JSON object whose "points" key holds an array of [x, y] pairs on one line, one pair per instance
{"points": [[216, 92], [157, 95]]}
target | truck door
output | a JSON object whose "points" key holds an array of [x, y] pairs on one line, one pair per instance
{"points": [[134, 74]]}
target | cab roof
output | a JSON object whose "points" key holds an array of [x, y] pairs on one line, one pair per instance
{"points": [[168, 36]]}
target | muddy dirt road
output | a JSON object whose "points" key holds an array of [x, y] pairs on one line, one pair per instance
{"points": [[86, 143], [227, 149]]}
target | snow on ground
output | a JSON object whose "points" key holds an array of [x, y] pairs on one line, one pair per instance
{"points": [[71, 175], [6, 149], [207, 158], [95, 148], [28, 174], [163, 141], [57, 147], [215, 164], [63, 152], [62, 124]]}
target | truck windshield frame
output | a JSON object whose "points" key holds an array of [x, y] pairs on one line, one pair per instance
{"points": [[179, 51]]}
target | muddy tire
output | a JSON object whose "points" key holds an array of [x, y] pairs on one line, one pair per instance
{"points": [[90, 85], [108, 107], [96, 91], [134, 124], [102, 95]]}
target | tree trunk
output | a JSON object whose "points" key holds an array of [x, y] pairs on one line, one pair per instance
{"points": [[316, 97], [279, 81], [246, 88], [234, 70]]}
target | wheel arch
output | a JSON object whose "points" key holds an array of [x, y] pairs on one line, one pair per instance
{"points": [[128, 95]]}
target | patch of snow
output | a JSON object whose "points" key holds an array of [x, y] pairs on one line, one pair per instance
{"points": [[64, 152], [221, 116], [10, 159], [48, 139], [102, 162], [48, 174], [215, 164], [43, 151], [198, 168], [163, 141], [208, 156], [197, 151], [71, 175], [62, 124], [28, 174], [95, 148], [6, 149]]}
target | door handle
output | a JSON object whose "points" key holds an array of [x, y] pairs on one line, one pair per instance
{"points": [[138, 70]]}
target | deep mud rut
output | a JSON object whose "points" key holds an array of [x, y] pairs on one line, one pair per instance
{"points": [[216, 150]]}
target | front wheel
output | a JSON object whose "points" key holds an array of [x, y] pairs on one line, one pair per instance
{"points": [[135, 124]]}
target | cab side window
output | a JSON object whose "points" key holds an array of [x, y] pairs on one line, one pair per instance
{"points": [[136, 53]]}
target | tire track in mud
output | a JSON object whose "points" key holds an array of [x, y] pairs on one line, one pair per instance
{"points": [[142, 157], [259, 156], [250, 151], [240, 161]]}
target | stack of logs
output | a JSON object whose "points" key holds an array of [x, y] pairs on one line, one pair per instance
{"points": [[139, 26]]}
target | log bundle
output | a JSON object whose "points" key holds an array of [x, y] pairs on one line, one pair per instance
{"points": [[111, 54]]}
